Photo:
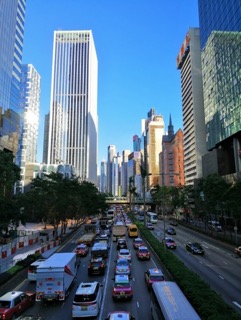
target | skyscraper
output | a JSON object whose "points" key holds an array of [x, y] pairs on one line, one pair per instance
{"points": [[73, 122], [29, 107], [220, 34], [194, 145], [12, 15], [111, 154], [103, 176]]}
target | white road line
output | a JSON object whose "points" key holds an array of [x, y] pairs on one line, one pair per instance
{"points": [[137, 303], [221, 277], [237, 304]]}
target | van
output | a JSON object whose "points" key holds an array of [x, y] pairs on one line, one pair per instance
{"points": [[87, 300], [132, 231], [32, 269]]}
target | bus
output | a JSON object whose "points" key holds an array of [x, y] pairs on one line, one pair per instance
{"points": [[168, 303], [132, 231], [152, 217]]}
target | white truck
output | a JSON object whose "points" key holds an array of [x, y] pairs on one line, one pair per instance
{"points": [[55, 275]]}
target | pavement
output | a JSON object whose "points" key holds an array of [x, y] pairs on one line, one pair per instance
{"points": [[31, 241]]}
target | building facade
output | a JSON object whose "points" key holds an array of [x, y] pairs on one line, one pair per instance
{"points": [[172, 158], [29, 128], [154, 131], [221, 66], [73, 120], [194, 144], [12, 17], [110, 156], [103, 177], [124, 178]]}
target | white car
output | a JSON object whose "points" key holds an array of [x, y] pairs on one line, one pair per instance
{"points": [[124, 253]]}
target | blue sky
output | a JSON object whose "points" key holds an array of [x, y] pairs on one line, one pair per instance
{"points": [[137, 42]]}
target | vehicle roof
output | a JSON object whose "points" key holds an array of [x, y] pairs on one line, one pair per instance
{"points": [[155, 271], [142, 248], [119, 315], [37, 262], [10, 295], [137, 239], [86, 287], [173, 302], [122, 278], [57, 260]]}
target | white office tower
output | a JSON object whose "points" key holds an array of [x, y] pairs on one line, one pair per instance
{"points": [[73, 122], [110, 156]]}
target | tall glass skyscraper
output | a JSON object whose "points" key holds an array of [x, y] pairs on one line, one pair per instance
{"points": [[12, 15], [220, 34], [73, 122]]}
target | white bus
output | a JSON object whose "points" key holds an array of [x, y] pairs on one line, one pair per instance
{"points": [[152, 217], [168, 303]]}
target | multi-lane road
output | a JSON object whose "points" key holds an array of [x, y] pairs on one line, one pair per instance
{"points": [[219, 267]]}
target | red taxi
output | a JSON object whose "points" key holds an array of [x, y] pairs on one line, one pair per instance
{"points": [[153, 275], [143, 253], [122, 289], [82, 250]]}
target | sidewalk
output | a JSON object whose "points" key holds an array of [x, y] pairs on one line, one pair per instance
{"points": [[31, 241]]}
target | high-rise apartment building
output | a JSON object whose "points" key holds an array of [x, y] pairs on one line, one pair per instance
{"points": [[46, 139], [29, 128], [73, 120], [116, 175], [220, 34], [136, 143], [194, 145], [12, 16]]}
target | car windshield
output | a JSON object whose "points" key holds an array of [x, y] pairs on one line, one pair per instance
{"points": [[156, 277], [143, 250], [138, 241], [197, 245], [124, 252], [170, 240], [122, 263], [5, 304], [122, 285]]}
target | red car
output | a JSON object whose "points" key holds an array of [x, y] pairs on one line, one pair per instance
{"points": [[15, 302], [122, 289], [153, 275], [82, 250], [137, 242], [143, 253]]}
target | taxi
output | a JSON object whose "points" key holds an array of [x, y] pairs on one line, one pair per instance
{"points": [[82, 250], [143, 253], [122, 289], [153, 275]]}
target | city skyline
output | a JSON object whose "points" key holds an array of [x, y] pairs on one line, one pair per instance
{"points": [[136, 44]]}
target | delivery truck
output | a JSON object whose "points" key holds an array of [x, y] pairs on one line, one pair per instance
{"points": [[87, 238], [55, 276], [118, 231]]}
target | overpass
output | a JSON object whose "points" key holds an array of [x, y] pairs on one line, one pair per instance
{"points": [[125, 200]]}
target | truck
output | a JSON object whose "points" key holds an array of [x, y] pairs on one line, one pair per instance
{"points": [[118, 231], [238, 251], [55, 275], [87, 238], [99, 249]]}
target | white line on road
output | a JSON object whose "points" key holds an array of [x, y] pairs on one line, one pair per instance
{"points": [[221, 277], [237, 304]]}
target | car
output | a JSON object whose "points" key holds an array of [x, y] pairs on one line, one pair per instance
{"points": [[87, 300], [137, 242], [170, 243], [122, 267], [124, 253], [13, 303], [153, 275], [121, 244], [96, 265], [171, 230], [173, 223], [82, 250], [195, 248], [32, 269], [149, 226], [122, 289], [141, 218], [120, 315], [143, 253]]}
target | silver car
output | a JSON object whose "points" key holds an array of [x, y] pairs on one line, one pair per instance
{"points": [[122, 267]]}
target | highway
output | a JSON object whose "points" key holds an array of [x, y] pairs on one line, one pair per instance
{"points": [[219, 267]]}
